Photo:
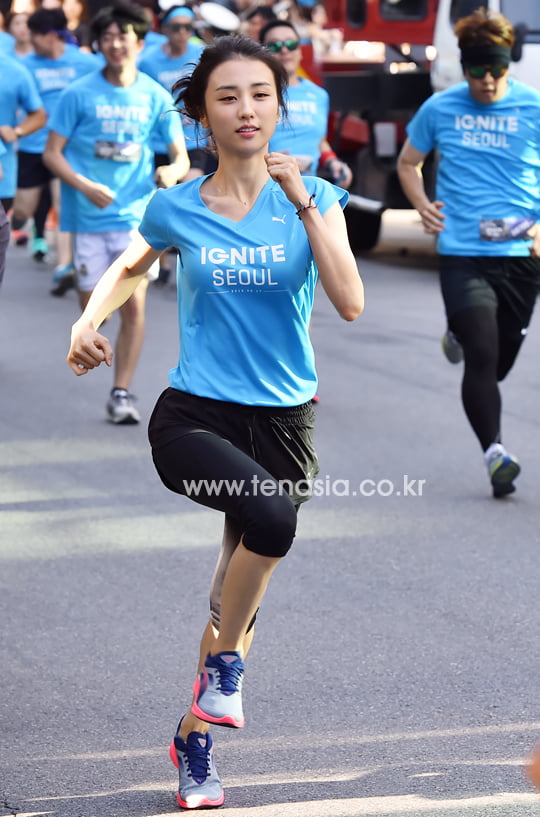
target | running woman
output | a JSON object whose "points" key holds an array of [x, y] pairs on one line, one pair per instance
{"points": [[252, 238], [486, 131]]}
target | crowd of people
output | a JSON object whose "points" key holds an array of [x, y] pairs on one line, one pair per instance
{"points": [[244, 186], [57, 42]]}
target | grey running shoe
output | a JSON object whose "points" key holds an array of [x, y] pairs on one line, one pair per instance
{"points": [[218, 690], [452, 348], [502, 468], [120, 408], [199, 784]]}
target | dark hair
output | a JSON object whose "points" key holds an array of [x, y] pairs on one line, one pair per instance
{"points": [[266, 12], [44, 20], [276, 24], [189, 92], [125, 15], [484, 27]]}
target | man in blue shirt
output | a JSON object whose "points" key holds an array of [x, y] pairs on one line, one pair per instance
{"points": [[303, 132], [168, 62], [54, 65], [99, 146], [18, 92], [486, 131]]}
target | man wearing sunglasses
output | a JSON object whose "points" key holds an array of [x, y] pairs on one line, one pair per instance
{"points": [[486, 131], [167, 63], [303, 134]]}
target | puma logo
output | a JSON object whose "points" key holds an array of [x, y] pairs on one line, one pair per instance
{"points": [[282, 219]]}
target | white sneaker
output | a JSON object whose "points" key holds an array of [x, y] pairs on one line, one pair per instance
{"points": [[502, 468], [121, 409]]}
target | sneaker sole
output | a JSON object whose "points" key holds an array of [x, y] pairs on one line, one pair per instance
{"points": [[65, 283], [500, 491], [226, 720], [125, 421], [204, 802], [503, 479]]}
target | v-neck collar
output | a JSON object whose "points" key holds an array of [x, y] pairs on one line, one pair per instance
{"points": [[252, 213]]}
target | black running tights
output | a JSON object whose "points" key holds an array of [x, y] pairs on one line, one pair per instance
{"points": [[490, 346]]}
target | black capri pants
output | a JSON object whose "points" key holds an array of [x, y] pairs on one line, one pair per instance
{"points": [[253, 463]]}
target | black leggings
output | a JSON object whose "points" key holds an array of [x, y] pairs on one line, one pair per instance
{"points": [[216, 474], [491, 340], [265, 524]]}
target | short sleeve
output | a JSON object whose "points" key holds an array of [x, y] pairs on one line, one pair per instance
{"points": [[421, 128], [326, 194], [153, 227]]}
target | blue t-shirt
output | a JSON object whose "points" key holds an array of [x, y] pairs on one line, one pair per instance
{"points": [[245, 293], [108, 130], [52, 77], [17, 92], [300, 134], [153, 38], [7, 43], [489, 166], [168, 70]]}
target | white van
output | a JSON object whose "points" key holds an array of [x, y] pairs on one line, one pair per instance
{"points": [[524, 16]]}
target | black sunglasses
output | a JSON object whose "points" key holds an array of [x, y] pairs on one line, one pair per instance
{"points": [[290, 45], [180, 26], [480, 71]]}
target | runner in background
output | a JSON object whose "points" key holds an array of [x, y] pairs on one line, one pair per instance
{"points": [[486, 131]]}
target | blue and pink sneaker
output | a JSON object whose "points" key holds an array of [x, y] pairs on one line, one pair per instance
{"points": [[218, 690], [199, 784]]}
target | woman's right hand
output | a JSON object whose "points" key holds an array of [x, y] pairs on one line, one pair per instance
{"points": [[88, 349]]}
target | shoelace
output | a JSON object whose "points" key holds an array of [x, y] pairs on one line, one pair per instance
{"points": [[122, 396], [197, 762], [229, 677]]}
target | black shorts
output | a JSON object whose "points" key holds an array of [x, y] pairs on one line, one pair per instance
{"points": [[492, 282], [32, 172], [280, 440]]}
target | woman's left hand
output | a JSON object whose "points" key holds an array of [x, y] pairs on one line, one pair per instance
{"points": [[284, 169]]}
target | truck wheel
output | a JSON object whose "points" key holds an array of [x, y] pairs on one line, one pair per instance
{"points": [[363, 229]]}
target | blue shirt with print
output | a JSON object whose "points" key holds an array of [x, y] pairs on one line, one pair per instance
{"points": [[108, 130], [168, 70], [489, 164], [306, 124], [51, 78], [245, 293]]}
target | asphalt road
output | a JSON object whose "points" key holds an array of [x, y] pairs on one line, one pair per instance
{"points": [[396, 665]]}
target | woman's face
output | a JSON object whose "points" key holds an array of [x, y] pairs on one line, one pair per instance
{"points": [[241, 104], [18, 28], [73, 9]]}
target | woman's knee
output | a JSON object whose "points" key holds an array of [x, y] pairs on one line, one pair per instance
{"points": [[273, 529]]}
